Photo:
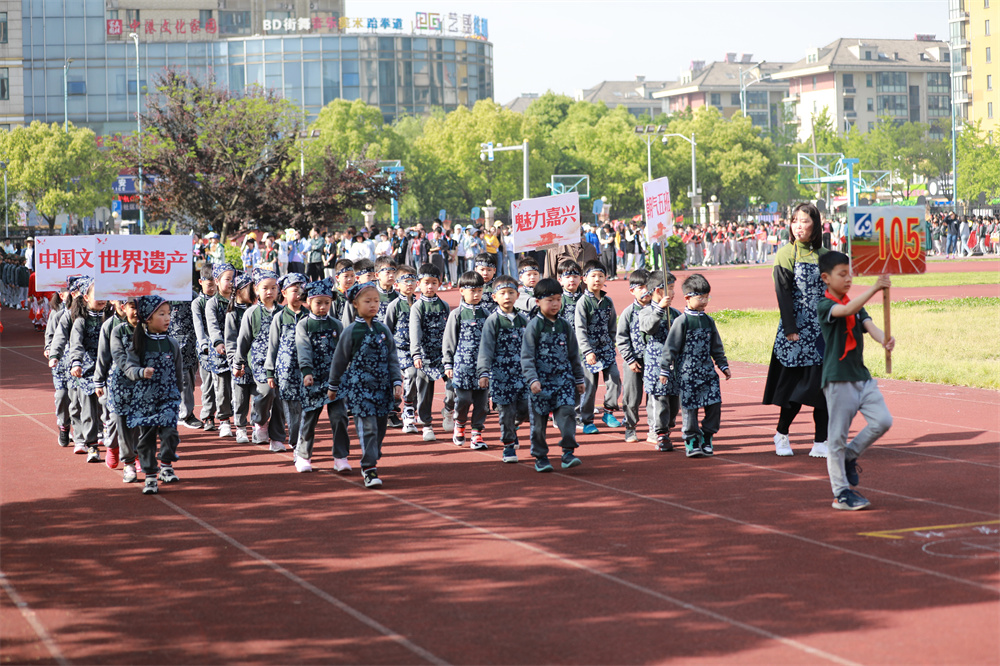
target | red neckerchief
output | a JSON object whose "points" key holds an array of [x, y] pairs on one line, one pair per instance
{"points": [[850, 343]]}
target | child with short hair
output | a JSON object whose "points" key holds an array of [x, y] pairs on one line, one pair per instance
{"points": [[692, 344], [428, 317], [485, 265], [344, 278], [462, 337], [847, 384], [550, 362], [364, 270], [103, 363], [365, 372], [595, 332], [282, 366], [397, 320], [499, 364], [316, 338], [215, 326], [527, 274], [631, 346], [266, 412], [243, 386], [662, 400], [56, 338], [156, 369], [385, 275], [570, 278], [198, 306]]}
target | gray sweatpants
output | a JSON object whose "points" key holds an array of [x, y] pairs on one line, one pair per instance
{"points": [[91, 420], [207, 394], [223, 382], [337, 413], [612, 388], [242, 394], [478, 400], [267, 409], [710, 422], [371, 432], [843, 401], [509, 415], [128, 440], [565, 419], [187, 393], [662, 410], [631, 396]]}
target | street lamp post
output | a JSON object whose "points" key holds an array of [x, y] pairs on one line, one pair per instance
{"points": [[695, 193], [138, 128], [488, 149], [648, 132], [744, 86], [66, 95]]}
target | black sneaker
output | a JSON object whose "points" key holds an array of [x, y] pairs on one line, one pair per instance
{"points": [[509, 454], [193, 422], [850, 501], [663, 443], [64, 437], [394, 421], [371, 478], [570, 460], [692, 447], [167, 475], [706, 446], [853, 469], [543, 465], [209, 425], [150, 488]]}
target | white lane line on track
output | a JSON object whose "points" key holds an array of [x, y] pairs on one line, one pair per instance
{"points": [[32, 619], [274, 566]]}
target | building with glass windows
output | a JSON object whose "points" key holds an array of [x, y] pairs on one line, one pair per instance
{"points": [[859, 81], [310, 51], [718, 85]]}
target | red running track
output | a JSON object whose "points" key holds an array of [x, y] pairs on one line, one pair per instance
{"points": [[634, 557]]}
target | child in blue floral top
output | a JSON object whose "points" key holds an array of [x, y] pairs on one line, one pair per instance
{"points": [[397, 320], [88, 315], [428, 317], [316, 339], [215, 327], [595, 332], [243, 386], [198, 305], [485, 265], [156, 369], [662, 400], [251, 355], [365, 372], [550, 362], [282, 365], [462, 336], [499, 364]]}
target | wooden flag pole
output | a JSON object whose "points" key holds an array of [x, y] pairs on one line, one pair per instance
{"points": [[887, 328]]}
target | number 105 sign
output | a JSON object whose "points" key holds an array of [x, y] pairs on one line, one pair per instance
{"points": [[890, 240]]}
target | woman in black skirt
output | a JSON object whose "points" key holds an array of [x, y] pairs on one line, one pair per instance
{"points": [[793, 378]]}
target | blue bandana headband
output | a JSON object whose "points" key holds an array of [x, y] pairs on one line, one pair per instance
{"points": [[345, 269], [594, 270], [526, 269], [83, 284], [261, 274], [692, 294], [147, 305], [406, 277], [219, 269], [481, 263], [355, 291], [319, 288], [241, 281], [386, 269], [571, 273], [290, 279], [421, 276]]}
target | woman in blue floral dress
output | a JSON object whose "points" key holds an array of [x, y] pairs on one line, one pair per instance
{"points": [[793, 378]]}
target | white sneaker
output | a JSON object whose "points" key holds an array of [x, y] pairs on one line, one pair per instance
{"points": [[819, 450], [129, 475], [651, 437], [79, 448], [409, 427], [277, 445], [259, 434], [781, 445], [225, 430], [341, 465], [241, 436], [429, 435], [447, 420], [303, 465]]}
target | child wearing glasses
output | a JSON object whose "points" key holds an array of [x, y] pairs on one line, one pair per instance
{"points": [[692, 345]]}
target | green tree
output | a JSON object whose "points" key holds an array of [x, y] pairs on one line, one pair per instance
{"points": [[55, 171], [352, 129], [978, 164]]}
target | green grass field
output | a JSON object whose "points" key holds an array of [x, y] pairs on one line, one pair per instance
{"points": [[936, 279], [944, 342]]}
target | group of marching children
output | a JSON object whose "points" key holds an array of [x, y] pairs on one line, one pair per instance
{"points": [[275, 353], [14, 281]]}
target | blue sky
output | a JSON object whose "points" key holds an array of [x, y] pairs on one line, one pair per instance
{"points": [[567, 46]]}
